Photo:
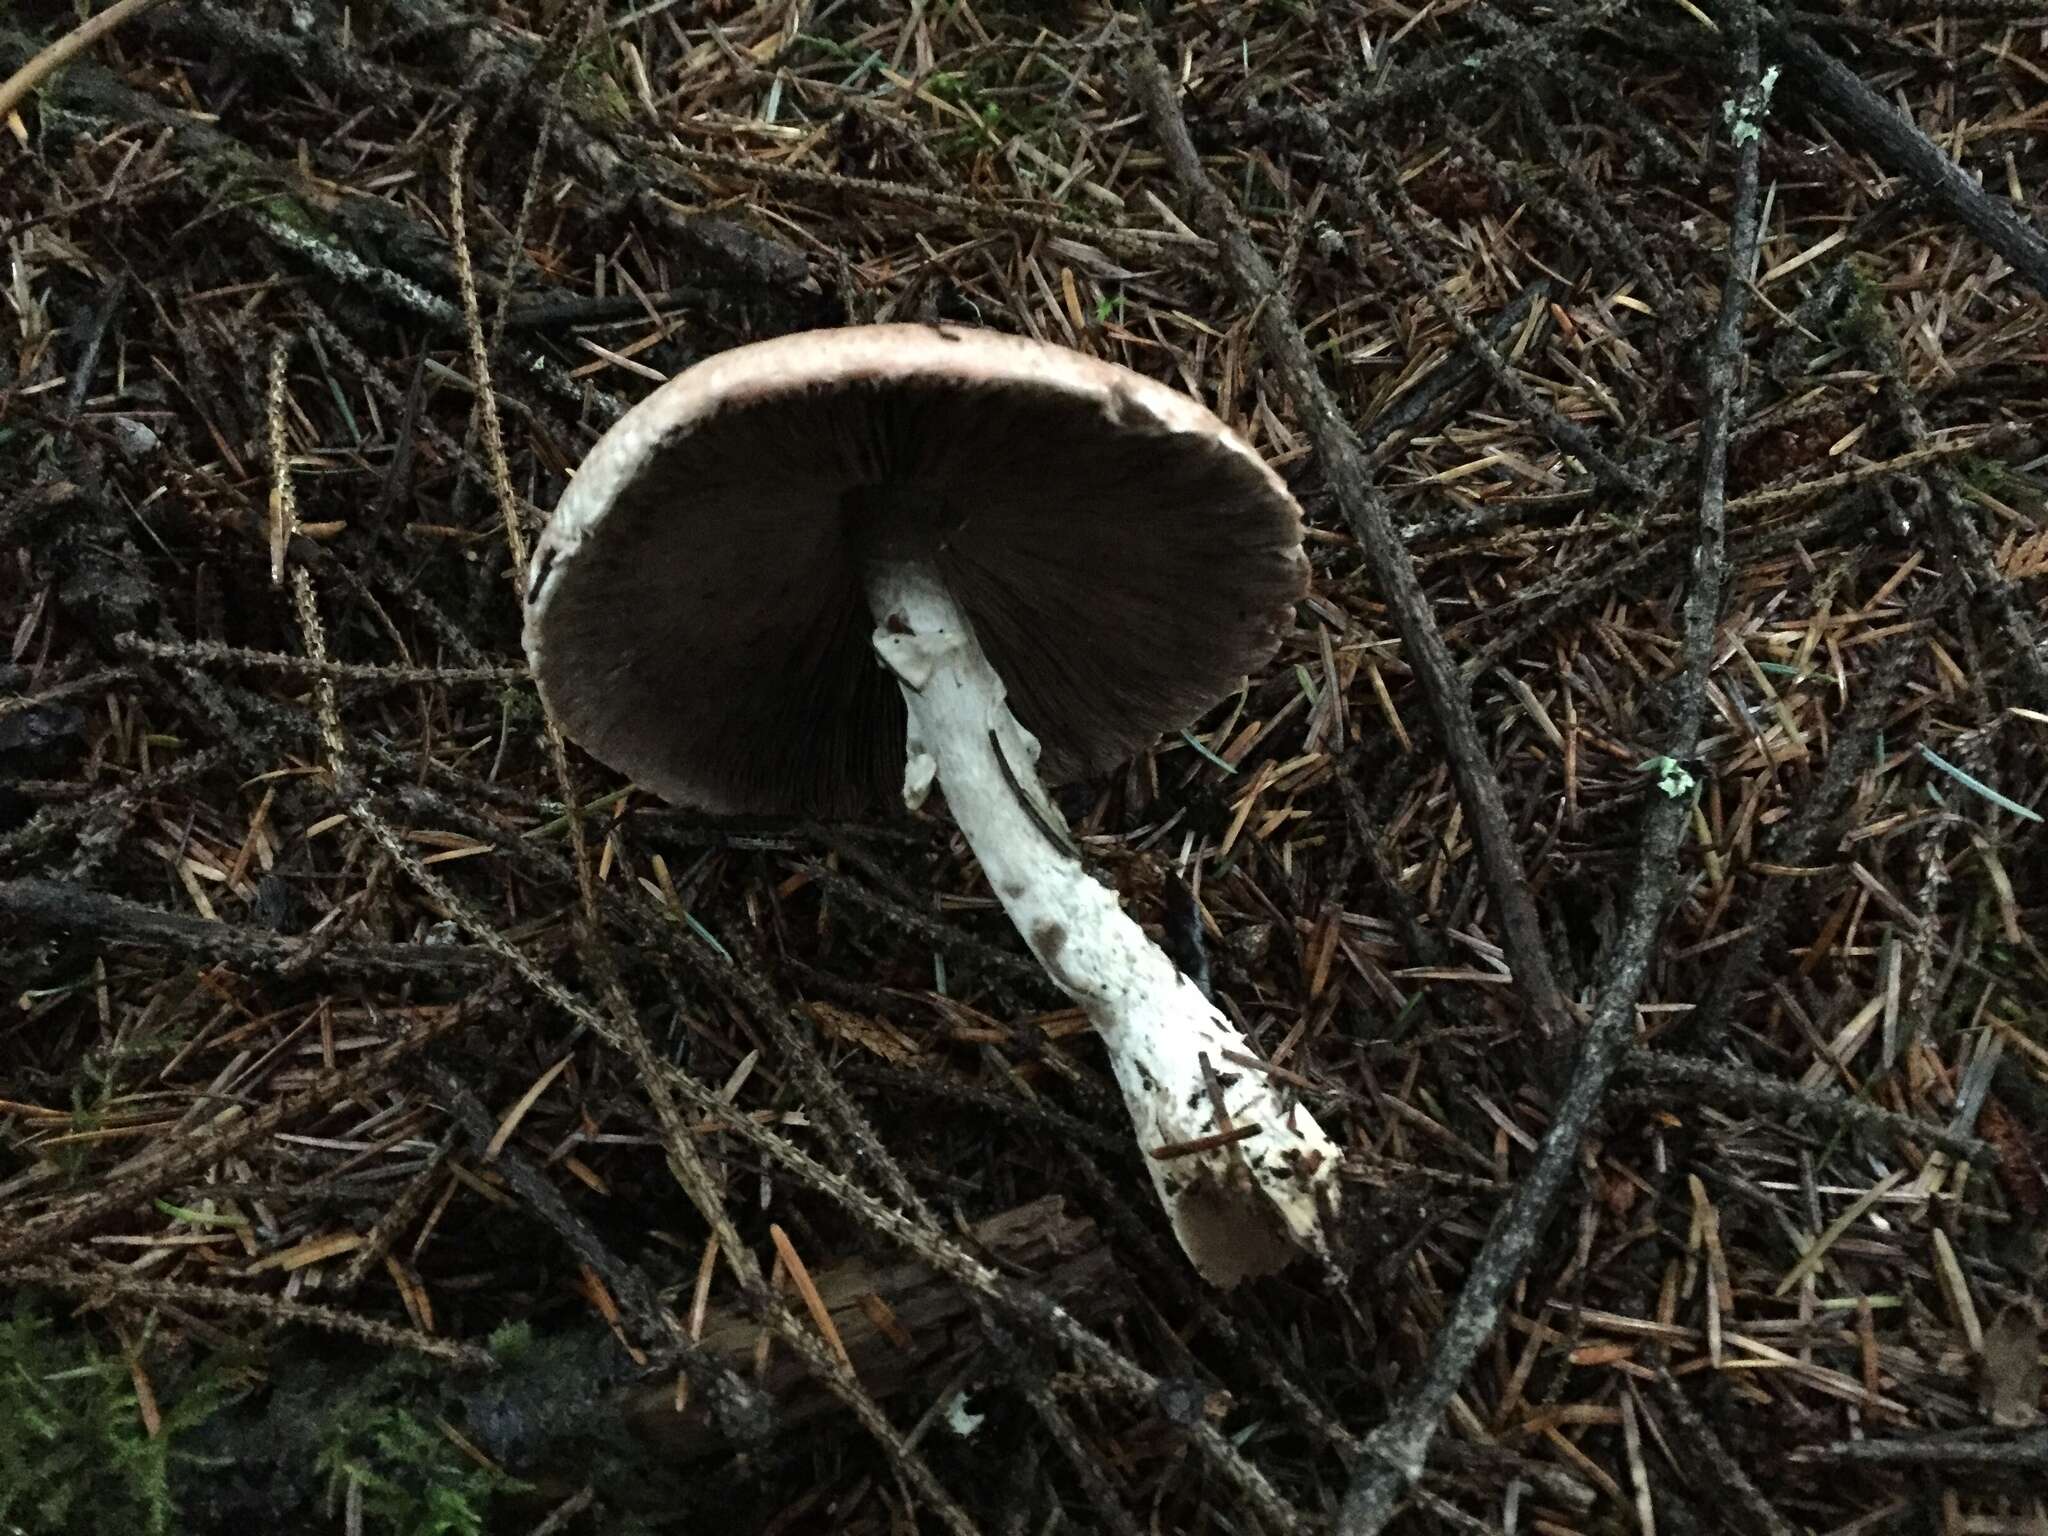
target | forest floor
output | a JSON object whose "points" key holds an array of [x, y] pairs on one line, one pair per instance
{"points": [[1629, 856]]}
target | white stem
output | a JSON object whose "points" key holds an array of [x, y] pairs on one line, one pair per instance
{"points": [[1242, 1209]]}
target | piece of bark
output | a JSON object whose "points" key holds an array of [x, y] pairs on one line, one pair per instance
{"points": [[903, 1325]]}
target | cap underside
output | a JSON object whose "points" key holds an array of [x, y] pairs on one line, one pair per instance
{"points": [[709, 632]]}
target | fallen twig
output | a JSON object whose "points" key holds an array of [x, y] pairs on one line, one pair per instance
{"points": [[210, 653], [1891, 137], [1436, 391], [1363, 182], [15, 88], [1350, 477], [1129, 243], [1456, 68], [1762, 1092], [169, 1163], [1955, 514], [1722, 1475], [93, 1283], [322, 243], [2015, 1453], [1394, 1453], [1794, 846], [59, 906], [498, 64]]}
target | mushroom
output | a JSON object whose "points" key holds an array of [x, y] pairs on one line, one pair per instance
{"points": [[1055, 558]]}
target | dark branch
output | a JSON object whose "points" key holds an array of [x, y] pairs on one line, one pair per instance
{"points": [[2021, 1452], [53, 905], [1349, 474], [1795, 846], [1754, 1089], [1879, 127], [1394, 1453], [1719, 1471]]}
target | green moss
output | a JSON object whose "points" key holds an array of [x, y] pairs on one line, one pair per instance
{"points": [[406, 1474], [2000, 478], [521, 706], [232, 1444], [1863, 323], [75, 1456], [511, 1342], [954, 86], [590, 83], [292, 214]]}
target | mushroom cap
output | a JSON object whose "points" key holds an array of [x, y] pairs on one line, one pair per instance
{"points": [[696, 614]]}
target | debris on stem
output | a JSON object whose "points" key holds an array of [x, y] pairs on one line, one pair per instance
{"points": [[1245, 1173]]}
